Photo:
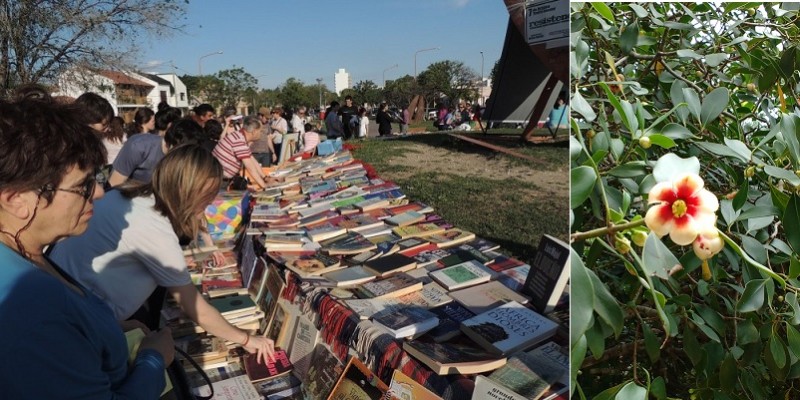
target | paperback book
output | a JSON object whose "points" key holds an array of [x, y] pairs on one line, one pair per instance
{"points": [[350, 276], [450, 317], [313, 265], [358, 383], [484, 297], [258, 371], [349, 243], [403, 387], [393, 286], [323, 373], [508, 328], [453, 358], [548, 275], [407, 322], [419, 230], [390, 264], [462, 275]]}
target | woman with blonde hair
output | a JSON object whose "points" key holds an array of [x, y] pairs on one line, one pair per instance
{"points": [[133, 244]]}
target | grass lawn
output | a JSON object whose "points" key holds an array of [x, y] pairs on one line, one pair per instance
{"points": [[501, 198]]}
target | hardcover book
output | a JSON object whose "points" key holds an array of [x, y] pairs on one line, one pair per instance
{"points": [[487, 388], [317, 264], [450, 317], [403, 387], [349, 276], [323, 373], [406, 322], [548, 275], [390, 264], [419, 230], [462, 275], [508, 328], [305, 339], [453, 358], [484, 297], [349, 243], [533, 373], [258, 371], [393, 286], [358, 383]]}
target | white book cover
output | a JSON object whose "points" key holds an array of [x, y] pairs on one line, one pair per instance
{"points": [[509, 328], [461, 275], [236, 388], [486, 388]]}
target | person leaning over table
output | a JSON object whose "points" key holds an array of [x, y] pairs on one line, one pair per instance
{"points": [[57, 339], [133, 243], [233, 151]]}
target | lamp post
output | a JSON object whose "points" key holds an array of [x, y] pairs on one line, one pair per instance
{"points": [[200, 61], [481, 68], [255, 93], [319, 85], [384, 74], [415, 59]]}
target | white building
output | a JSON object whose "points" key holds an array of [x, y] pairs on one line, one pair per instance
{"points": [[341, 81]]}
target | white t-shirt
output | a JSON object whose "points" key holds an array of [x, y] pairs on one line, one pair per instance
{"points": [[128, 250], [363, 125], [112, 148]]}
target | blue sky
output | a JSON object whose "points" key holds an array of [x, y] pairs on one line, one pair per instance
{"points": [[309, 39]]}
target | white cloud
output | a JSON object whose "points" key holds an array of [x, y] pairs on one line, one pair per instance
{"points": [[460, 3]]}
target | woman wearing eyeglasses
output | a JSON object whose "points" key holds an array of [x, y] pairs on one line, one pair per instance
{"points": [[133, 244], [57, 339]]}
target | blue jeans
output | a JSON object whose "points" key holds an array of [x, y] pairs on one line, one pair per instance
{"points": [[265, 159]]}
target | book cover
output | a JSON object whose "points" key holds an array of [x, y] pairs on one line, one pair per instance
{"points": [[305, 339], [532, 374], [325, 231], [256, 287], [235, 388], [407, 321], [419, 230], [411, 244], [484, 297], [460, 255], [508, 328], [551, 356], [258, 371], [349, 243], [451, 237], [372, 203], [215, 374], [431, 295], [548, 275], [483, 245], [360, 223], [502, 263], [358, 383], [390, 264], [416, 250], [450, 317], [134, 338], [323, 373], [288, 326], [487, 388], [350, 276], [378, 230], [233, 305], [514, 278], [453, 358], [203, 348], [281, 387], [393, 286], [269, 299], [405, 388], [426, 258], [367, 308], [318, 218], [461, 275], [413, 206], [316, 264], [406, 218]]}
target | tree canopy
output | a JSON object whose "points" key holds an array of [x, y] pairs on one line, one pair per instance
{"points": [[668, 96]]}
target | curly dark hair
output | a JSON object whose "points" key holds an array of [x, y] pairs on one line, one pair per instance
{"points": [[40, 140]]}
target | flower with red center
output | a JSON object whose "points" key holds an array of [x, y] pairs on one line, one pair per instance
{"points": [[681, 208]]}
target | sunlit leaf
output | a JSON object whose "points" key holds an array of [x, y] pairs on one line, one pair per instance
{"points": [[582, 181], [753, 297]]}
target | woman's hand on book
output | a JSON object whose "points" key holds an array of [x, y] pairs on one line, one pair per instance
{"points": [[219, 258], [265, 347], [161, 341]]}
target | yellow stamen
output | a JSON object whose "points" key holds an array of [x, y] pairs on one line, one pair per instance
{"points": [[706, 271], [679, 208]]}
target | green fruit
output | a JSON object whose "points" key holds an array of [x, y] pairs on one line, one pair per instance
{"points": [[622, 244], [645, 142], [639, 237], [751, 87], [590, 134], [750, 171], [699, 74]]}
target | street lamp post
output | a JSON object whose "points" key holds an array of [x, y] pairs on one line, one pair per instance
{"points": [[481, 68], [256, 92], [200, 61], [319, 85], [415, 59], [384, 74]]}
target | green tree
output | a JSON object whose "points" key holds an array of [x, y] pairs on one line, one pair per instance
{"points": [[293, 93], [40, 38], [451, 80], [661, 90], [367, 92], [398, 92], [235, 83]]}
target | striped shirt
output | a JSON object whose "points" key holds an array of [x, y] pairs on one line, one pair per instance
{"points": [[310, 141], [230, 151]]}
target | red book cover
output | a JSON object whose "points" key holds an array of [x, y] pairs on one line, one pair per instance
{"points": [[257, 371]]}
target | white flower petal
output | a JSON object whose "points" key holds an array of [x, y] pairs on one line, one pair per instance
{"points": [[656, 194], [653, 221], [708, 201], [684, 235]]}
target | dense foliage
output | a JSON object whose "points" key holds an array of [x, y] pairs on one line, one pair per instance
{"points": [[662, 89]]}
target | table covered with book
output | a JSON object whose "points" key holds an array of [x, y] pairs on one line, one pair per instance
{"points": [[363, 290]]}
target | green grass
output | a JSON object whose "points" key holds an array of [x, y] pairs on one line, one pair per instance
{"points": [[509, 212]]}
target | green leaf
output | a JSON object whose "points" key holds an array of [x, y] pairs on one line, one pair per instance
{"points": [[582, 181], [576, 355], [715, 59], [777, 350], [739, 148], [768, 77], [746, 332], [791, 222], [758, 212], [662, 141], [753, 297], [712, 318], [688, 53], [760, 267], [632, 391], [793, 338], [721, 150], [675, 131], [639, 10], [612, 98], [787, 62], [651, 344], [604, 11], [657, 259], [713, 105], [581, 298], [741, 195], [692, 101], [779, 199], [606, 305], [728, 373], [794, 267], [595, 339], [629, 37], [791, 299], [781, 173], [582, 107], [632, 169]]}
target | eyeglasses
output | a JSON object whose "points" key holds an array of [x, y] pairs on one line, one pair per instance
{"points": [[87, 188]]}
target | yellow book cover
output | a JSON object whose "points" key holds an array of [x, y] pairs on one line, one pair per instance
{"points": [[134, 338]]}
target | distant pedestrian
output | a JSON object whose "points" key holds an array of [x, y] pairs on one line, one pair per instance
{"points": [[384, 120], [363, 123], [405, 118], [346, 114], [278, 126], [441, 115], [332, 122]]}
